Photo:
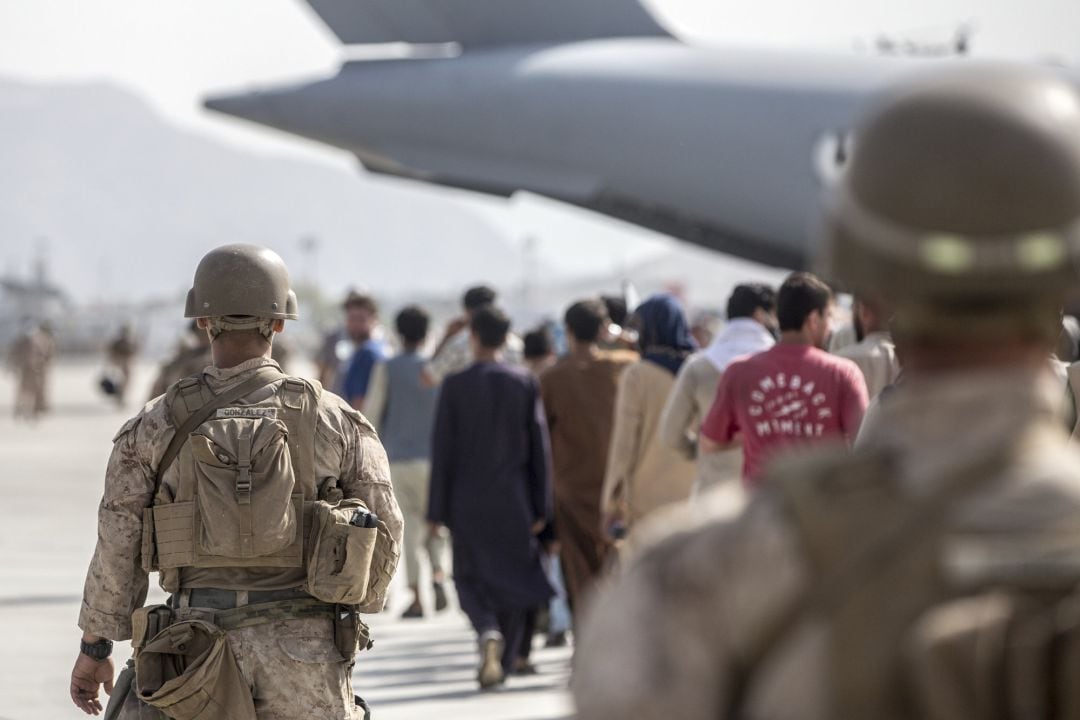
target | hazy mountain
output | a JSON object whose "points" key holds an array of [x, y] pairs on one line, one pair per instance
{"points": [[128, 203]]}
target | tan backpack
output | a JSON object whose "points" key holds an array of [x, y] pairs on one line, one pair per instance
{"points": [[911, 633], [248, 495]]}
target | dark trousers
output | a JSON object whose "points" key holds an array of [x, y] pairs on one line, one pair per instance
{"points": [[485, 617]]}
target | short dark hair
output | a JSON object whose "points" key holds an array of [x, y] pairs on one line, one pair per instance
{"points": [[537, 343], [490, 325], [478, 297], [412, 324], [616, 308], [585, 318], [746, 299], [361, 300], [800, 295]]}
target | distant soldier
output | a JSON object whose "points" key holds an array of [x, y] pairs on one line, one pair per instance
{"points": [[927, 574], [30, 358], [265, 506], [120, 354], [191, 358]]}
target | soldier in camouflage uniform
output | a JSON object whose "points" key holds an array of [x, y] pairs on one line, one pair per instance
{"points": [[291, 664], [191, 357], [961, 206]]}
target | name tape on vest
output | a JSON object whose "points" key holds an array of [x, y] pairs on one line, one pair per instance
{"points": [[247, 412]]}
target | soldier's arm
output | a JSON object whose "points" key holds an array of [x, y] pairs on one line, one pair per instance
{"points": [[116, 584], [365, 473]]}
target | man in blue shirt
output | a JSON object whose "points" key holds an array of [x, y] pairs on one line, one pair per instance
{"points": [[361, 319]]}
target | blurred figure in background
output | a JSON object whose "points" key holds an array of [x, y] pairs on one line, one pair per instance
{"points": [[579, 399], [119, 356], [401, 406], [539, 350], [454, 351], [361, 321], [642, 472], [875, 353], [192, 355], [751, 327], [336, 349], [490, 486], [30, 358]]}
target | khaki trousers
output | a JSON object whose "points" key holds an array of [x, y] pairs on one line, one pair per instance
{"points": [[412, 479]]}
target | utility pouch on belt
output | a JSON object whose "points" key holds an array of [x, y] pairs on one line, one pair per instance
{"points": [[340, 566], [147, 622], [350, 633], [188, 671]]}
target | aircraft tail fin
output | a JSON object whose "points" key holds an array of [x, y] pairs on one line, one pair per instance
{"points": [[485, 23]]}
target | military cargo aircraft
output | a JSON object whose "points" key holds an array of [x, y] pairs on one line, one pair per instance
{"points": [[590, 102]]}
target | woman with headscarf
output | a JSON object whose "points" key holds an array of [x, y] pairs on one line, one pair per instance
{"points": [[643, 473]]}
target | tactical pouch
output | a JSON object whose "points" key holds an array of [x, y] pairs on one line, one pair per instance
{"points": [[244, 487], [188, 671], [147, 622], [351, 634], [339, 568]]}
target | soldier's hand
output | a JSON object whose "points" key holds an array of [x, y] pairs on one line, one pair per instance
{"points": [[86, 678]]}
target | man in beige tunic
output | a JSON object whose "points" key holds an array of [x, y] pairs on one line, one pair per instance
{"points": [[751, 324], [875, 354], [291, 664], [727, 615]]}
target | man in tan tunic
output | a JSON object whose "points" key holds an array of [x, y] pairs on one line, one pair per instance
{"points": [[579, 399], [291, 664], [875, 354], [715, 619]]}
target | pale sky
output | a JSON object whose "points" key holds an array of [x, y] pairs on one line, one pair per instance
{"points": [[175, 53]]}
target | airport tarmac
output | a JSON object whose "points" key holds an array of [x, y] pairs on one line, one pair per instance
{"points": [[51, 484]]}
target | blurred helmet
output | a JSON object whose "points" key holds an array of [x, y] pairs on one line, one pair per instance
{"points": [[963, 191], [241, 280]]}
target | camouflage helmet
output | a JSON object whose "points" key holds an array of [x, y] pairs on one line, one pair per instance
{"points": [[241, 280], [963, 191]]}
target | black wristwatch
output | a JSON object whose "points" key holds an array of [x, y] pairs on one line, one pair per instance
{"points": [[99, 650]]}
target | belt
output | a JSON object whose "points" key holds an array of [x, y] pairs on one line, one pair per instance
{"points": [[218, 599]]}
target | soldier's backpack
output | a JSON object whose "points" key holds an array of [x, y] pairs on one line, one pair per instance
{"points": [[248, 495], [922, 624]]}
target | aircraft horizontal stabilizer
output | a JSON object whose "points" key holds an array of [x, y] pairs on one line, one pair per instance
{"points": [[485, 23]]}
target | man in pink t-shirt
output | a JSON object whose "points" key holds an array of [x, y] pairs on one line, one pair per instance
{"points": [[795, 393]]}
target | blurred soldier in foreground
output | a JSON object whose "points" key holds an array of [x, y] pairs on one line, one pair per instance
{"points": [[212, 486], [30, 357], [920, 576]]}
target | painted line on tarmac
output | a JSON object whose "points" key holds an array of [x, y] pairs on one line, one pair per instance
{"points": [[30, 600]]}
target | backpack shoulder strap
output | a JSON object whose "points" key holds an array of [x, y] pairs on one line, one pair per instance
{"points": [[300, 401], [191, 414]]}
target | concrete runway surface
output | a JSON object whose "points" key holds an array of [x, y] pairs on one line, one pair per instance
{"points": [[51, 477]]}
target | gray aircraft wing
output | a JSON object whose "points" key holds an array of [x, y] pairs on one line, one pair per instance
{"points": [[484, 23], [593, 103]]}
